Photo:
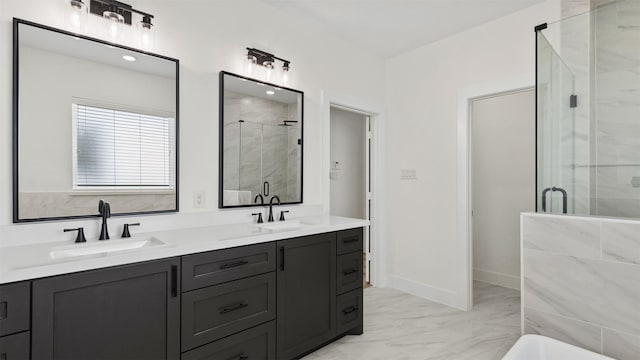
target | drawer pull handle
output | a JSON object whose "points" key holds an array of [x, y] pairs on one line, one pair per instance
{"points": [[350, 240], [174, 280], [240, 356], [234, 307], [349, 310], [349, 272], [234, 264], [3, 310], [281, 258]]}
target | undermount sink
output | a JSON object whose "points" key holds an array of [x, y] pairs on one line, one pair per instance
{"points": [[104, 247], [282, 225]]}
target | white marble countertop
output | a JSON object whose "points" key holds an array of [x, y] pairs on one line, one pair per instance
{"points": [[26, 262]]}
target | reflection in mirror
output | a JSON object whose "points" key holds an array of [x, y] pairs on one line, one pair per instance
{"points": [[94, 121], [261, 142]]}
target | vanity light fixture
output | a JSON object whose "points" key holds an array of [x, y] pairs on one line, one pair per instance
{"points": [[116, 14], [267, 61]]}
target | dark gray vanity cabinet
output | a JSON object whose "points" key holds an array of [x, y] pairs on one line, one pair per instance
{"points": [[306, 294], [15, 321], [276, 300], [124, 312]]}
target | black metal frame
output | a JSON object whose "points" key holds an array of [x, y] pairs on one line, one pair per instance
{"points": [[16, 47], [536, 30], [221, 142]]}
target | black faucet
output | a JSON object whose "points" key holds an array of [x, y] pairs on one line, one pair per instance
{"points": [[255, 199], [271, 207], [105, 212]]}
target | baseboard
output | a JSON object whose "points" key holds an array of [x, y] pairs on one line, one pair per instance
{"points": [[496, 278], [439, 295]]}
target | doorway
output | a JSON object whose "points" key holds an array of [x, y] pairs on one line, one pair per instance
{"points": [[350, 169], [502, 168]]}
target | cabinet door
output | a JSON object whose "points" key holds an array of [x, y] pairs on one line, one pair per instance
{"points": [[256, 343], [15, 347], [306, 294], [124, 312], [14, 307], [217, 311]]}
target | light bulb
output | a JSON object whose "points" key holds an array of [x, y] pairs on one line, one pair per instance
{"points": [[77, 13], [251, 63], [285, 74], [113, 20], [268, 69], [145, 29]]}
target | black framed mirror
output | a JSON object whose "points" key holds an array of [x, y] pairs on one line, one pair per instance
{"points": [[92, 120], [261, 142]]}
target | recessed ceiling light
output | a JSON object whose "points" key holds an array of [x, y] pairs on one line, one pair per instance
{"points": [[128, 58], [270, 92]]}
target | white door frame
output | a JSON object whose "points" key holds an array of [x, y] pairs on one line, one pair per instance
{"points": [[377, 174], [464, 237]]}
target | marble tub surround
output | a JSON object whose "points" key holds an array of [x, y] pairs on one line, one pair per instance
{"points": [[402, 326], [32, 261], [581, 282]]}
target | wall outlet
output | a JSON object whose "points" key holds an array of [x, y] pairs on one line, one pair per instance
{"points": [[199, 199], [408, 174]]}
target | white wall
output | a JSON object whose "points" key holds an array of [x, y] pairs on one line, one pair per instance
{"points": [[348, 149], [207, 37], [503, 178], [426, 248]]}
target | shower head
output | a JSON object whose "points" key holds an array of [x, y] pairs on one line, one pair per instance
{"points": [[288, 123]]}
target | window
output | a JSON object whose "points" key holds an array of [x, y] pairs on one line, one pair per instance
{"points": [[121, 149]]}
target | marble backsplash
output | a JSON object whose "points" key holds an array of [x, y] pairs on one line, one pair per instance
{"points": [[581, 282], [35, 205]]}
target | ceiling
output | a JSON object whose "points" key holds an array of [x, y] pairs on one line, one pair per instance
{"points": [[391, 27]]}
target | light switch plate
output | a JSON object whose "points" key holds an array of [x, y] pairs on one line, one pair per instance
{"points": [[408, 174]]}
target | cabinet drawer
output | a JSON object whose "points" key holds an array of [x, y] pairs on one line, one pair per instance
{"points": [[216, 267], [349, 308], [256, 343], [349, 272], [211, 313], [15, 347], [349, 241], [14, 307]]}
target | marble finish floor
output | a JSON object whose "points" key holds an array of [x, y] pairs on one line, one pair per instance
{"points": [[399, 326]]}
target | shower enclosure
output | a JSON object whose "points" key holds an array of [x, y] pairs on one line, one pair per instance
{"points": [[262, 159], [588, 112]]}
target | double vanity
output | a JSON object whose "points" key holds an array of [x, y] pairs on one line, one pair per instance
{"points": [[225, 292]]}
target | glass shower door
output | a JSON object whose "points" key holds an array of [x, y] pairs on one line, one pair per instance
{"points": [[556, 129]]}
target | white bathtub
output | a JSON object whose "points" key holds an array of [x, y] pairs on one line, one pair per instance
{"points": [[537, 347]]}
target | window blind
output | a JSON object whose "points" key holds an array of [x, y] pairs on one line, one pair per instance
{"points": [[120, 148]]}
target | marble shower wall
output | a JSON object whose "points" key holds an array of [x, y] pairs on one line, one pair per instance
{"points": [[581, 282], [617, 111]]}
